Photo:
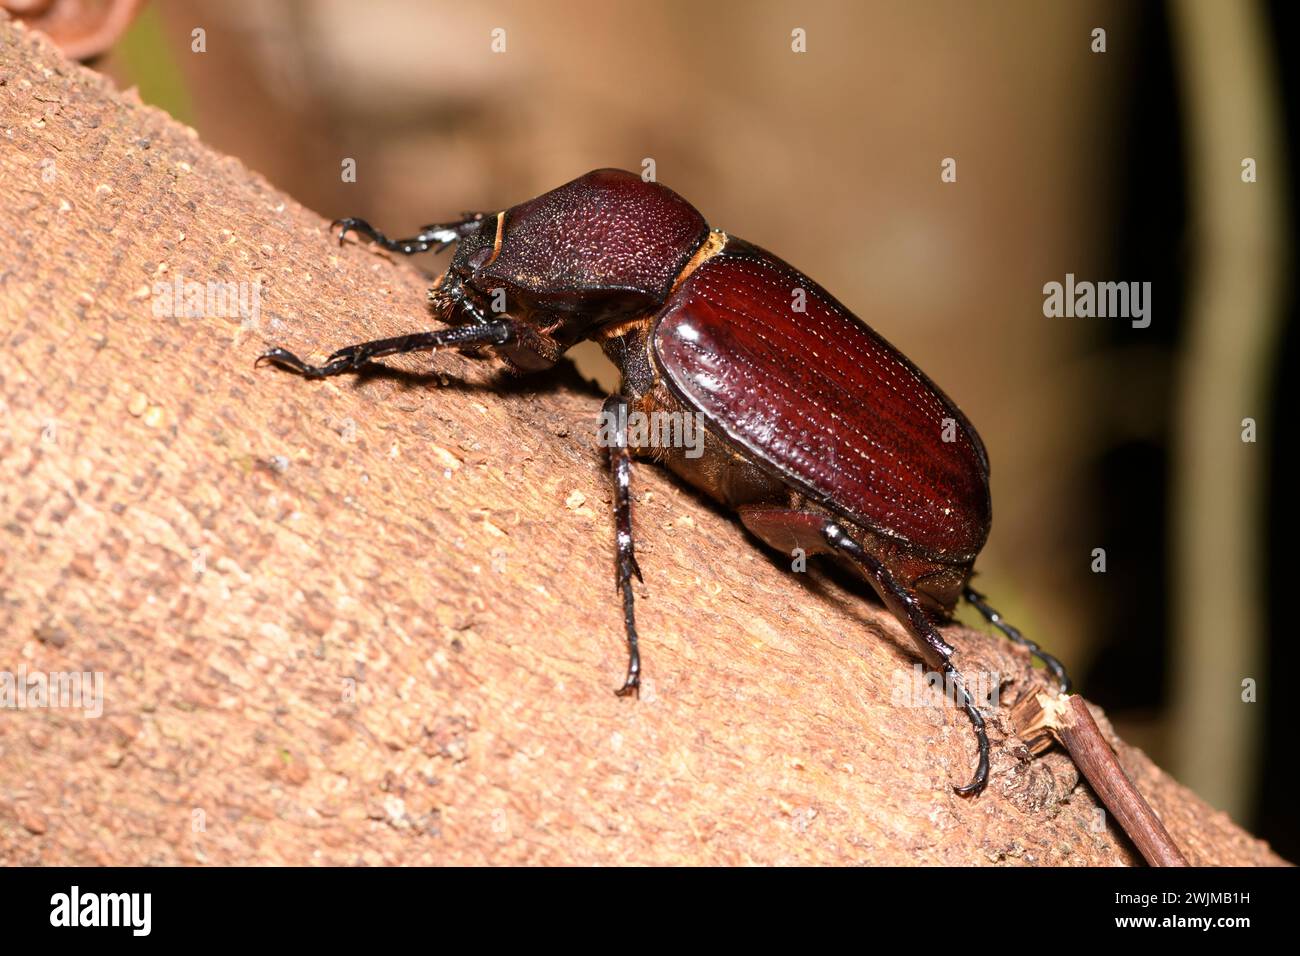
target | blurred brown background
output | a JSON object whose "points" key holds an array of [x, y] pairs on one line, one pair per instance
{"points": [[1121, 165]]}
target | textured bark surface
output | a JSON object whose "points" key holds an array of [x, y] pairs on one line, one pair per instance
{"points": [[373, 621]]}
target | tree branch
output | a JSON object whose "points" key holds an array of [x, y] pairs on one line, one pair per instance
{"points": [[373, 620]]}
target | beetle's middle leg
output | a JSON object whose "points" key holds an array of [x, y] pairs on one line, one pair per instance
{"points": [[615, 412]]}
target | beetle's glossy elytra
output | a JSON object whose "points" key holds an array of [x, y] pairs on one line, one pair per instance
{"points": [[819, 433], [825, 401]]}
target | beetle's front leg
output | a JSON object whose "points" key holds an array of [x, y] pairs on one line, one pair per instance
{"points": [[436, 237], [352, 357], [614, 418], [908, 609]]}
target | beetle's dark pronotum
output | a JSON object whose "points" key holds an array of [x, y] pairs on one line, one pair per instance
{"points": [[818, 432]]}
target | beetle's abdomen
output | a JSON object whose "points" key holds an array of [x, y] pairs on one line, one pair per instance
{"points": [[825, 401], [607, 231]]}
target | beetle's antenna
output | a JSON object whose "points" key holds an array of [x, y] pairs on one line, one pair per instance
{"points": [[976, 600]]}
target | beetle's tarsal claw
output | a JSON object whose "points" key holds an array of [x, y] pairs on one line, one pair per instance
{"points": [[981, 778], [351, 224], [284, 359], [976, 785], [290, 362]]}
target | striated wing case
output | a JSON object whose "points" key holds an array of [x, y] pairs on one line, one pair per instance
{"points": [[823, 401]]}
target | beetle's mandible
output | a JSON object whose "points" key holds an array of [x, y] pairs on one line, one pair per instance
{"points": [[818, 432]]}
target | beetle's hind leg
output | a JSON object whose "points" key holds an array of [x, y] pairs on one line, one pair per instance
{"points": [[437, 236], [614, 413], [786, 527], [976, 600], [907, 607]]}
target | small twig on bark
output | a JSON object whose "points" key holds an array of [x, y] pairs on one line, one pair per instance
{"points": [[1040, 718]]}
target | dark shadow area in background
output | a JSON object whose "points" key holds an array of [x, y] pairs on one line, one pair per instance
{"points": [[1276, 810], [1130, 479]]}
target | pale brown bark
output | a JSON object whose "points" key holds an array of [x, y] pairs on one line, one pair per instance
{"points": [[374, 621]]}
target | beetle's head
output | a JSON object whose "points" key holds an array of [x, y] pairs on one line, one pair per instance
{"points": [[455, 298]]}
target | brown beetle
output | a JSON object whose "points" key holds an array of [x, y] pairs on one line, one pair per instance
{"points": [[818, 432]]}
